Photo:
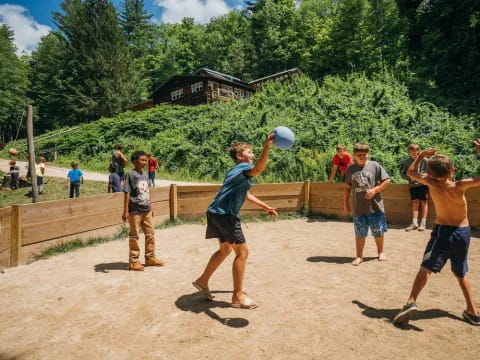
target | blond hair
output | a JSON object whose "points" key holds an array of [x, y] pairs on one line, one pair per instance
{"points": [[341, 147], [238, 148]]}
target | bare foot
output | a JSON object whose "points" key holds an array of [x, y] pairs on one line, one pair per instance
{"points": [[357, 261], [382, 257]]}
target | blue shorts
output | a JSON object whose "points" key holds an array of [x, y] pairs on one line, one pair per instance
{"points": [[151, 175], [376, 222], [448, 242]]}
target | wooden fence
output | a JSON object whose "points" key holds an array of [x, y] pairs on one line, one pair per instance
{"points": [[27, 229]]}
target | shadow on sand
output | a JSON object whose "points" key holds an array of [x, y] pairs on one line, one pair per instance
{"points": [[337, 259], [197, 304], [106, 267], [389, 314]]}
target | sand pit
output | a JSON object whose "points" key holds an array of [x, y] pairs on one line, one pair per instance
{"points": [[313, 303]]}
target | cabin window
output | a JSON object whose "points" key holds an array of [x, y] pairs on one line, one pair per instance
{"points": [[177, 94], [239, 92], [197, 87], [226, 87]]}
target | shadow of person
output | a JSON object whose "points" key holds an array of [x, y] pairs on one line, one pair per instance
{"points": [[389, 314], [196, 303], [105, 267], [336, 259]]}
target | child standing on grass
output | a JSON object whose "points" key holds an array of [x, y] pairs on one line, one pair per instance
{"points": [[418, 191], [40, 170], [14, 174], [223, 220], [152, 166], [114, 181], [138, 212], [367, 179], [74, 177], [450, 236]]}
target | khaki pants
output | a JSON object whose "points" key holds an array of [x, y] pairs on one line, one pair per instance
{"points": [[144, 221]]}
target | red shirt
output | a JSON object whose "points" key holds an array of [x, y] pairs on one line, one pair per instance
{"points": [[343, 163], [152, 164]]}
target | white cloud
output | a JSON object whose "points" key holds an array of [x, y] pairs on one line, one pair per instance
{"points": [[173, 11], [27, 32]]}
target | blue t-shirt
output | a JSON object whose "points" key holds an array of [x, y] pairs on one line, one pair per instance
{"points": [[74, 175], [114, 180], [231, 195]]}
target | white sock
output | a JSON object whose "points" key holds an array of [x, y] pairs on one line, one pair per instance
{"points": [[424, 222], [414, 222]]}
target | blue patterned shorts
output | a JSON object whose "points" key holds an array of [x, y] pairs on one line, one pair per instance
{"points": [[376, 222]]}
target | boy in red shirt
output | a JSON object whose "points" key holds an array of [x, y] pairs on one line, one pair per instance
{"points": [[341, 160], [152, 166]]}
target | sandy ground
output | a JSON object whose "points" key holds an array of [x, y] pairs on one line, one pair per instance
{"points": [[88, 175], [313, 303]]}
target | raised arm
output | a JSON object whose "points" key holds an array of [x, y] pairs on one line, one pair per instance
{"points": [[254, 200], [261, 163], [412, 170], [468, 183]]}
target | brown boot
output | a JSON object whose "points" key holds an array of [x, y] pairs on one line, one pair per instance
{"points": [[153, 261], [135, 266]]}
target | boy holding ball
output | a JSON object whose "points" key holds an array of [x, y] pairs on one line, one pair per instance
{"points": [[223, 220]]}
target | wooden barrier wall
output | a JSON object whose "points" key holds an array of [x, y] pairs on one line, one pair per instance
{"points": [[193, 200], [26, 229], [40, 225], [327, 199]]}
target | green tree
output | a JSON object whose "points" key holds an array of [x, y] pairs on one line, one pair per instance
{"points": [[444, 41], [275, 36], [13, 87], [104, 78], [50, 79]]}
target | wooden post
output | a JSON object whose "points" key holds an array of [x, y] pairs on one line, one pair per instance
{"points": [[306, 200], [31, 153], [173, 202], [16, 236]]}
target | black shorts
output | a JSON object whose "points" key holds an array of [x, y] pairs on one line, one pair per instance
{"points": [[419, 192], [227, 228], [448, 242]]}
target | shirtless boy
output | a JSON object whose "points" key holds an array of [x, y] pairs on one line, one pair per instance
{"points": [[450, 236]]}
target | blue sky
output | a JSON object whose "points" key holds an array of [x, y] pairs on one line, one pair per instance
{"points": [[32, 19]]}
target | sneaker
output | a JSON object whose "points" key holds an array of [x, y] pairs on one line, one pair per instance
{"points": [[422, 227], [153, 261], [472, 319], [404, 316], [411, 227], [136, 266]]}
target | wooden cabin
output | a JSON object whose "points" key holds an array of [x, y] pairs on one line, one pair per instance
{"points": [[207, 86], [203, 87]]}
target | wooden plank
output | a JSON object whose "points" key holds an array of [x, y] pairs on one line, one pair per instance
{"points": [[5, 228], [197, 188], [53, 210], [160, 194], [161, 208], [37, 232], [16, 235], [306, 194]]}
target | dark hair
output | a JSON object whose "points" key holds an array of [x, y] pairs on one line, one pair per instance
{"points": [[439, 166], [136, 155], [119, 147], [73, 164], [361, 147]]}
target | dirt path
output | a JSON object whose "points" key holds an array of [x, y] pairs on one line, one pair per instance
{"points": [[313, 303], [88, 175]]}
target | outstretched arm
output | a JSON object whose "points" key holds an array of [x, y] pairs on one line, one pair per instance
{"points": [[412, 170], [254, 200], [468, 183], [261, 163], [332, 173]]}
